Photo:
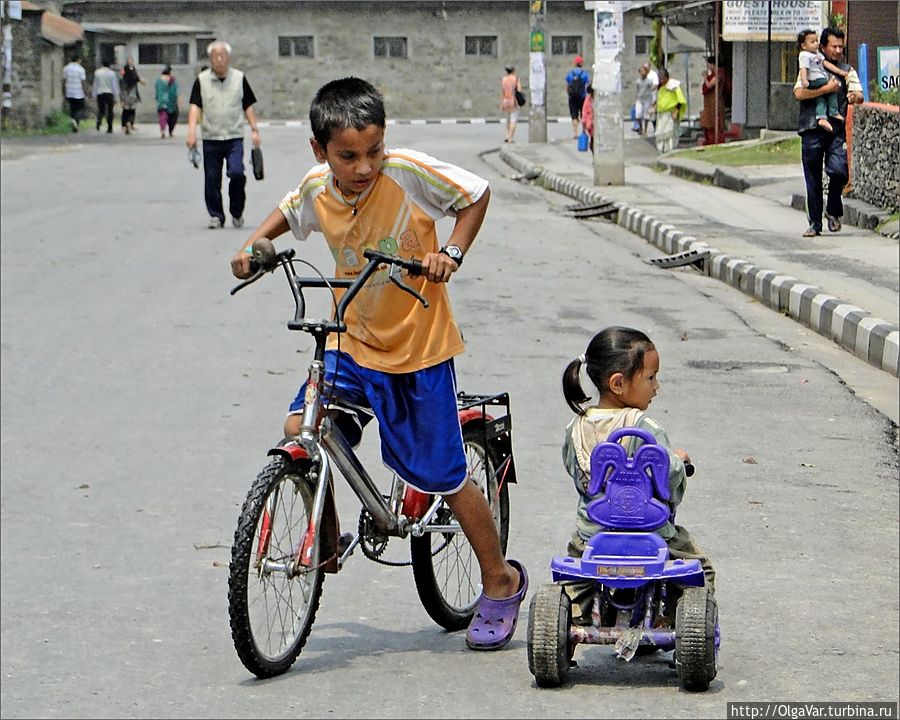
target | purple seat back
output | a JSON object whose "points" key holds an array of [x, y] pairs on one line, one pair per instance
{"points": [[634, 490]]}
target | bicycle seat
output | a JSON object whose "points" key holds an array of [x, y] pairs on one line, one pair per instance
{"points": [[634, 489]]}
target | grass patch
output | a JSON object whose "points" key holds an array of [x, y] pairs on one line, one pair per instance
{"points": [[782, 152], [57, 123]]}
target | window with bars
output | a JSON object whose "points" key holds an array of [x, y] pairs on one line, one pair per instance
{"points": [[390, 47], [202, 44], [642, 44], [565, 45], [163, 53], [296, 46], [481, 45]]}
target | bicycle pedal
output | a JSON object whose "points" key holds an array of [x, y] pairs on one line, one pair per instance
{"points": [[343, 543]]}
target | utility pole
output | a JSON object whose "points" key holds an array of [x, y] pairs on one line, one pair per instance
{"points": [[537, 72], [609, 124]]}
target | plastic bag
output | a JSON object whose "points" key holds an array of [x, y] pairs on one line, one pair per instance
{"points": [[584, 142]]}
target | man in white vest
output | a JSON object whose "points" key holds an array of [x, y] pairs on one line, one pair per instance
{"points": [[220, 99]]}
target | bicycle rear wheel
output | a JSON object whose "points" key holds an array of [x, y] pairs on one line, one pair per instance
{"points": [[272, 603], [445, 569]]}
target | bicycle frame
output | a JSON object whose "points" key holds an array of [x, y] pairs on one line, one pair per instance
{"points": [[320, 441]]}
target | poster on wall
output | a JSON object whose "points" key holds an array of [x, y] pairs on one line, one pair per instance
{"points": [[889, 68], [748, 20], [609, 42], [537, 78]]}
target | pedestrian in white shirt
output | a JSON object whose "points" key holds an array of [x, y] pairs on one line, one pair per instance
{"points": [[74, 78], [105, 92]]}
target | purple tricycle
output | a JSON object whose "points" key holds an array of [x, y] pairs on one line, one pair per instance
{"points": [[635, 582]]}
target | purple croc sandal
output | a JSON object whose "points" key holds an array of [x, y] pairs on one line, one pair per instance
{"points": [[495, 619]]}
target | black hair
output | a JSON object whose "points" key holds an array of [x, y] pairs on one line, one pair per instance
{"points": [[345, 103], [711, 60], [106, 63], [613, 350], [802, 35], [828, 33]]}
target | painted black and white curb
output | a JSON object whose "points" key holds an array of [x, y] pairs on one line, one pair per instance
{"points": [[874, 340]]}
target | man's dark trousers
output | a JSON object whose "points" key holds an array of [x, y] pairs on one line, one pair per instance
{"points": [[818, 148], [231, 152], [105, 102]]}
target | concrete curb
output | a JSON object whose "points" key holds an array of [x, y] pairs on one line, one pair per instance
{"points": [[874, 340]]}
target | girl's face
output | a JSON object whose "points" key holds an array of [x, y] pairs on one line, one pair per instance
{"points": [[811, 43], [354, 157], [640, 390]]}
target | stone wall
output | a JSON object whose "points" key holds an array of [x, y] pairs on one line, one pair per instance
{"points": [[875, 149], [436, 80]]}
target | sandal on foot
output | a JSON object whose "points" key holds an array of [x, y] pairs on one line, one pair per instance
{"points": [[495, 619]]}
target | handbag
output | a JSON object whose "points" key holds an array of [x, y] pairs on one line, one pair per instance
{"points": [[256, 158], [520, 98]]}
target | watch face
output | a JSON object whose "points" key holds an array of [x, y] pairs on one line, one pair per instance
{"points": [[454, 252]]}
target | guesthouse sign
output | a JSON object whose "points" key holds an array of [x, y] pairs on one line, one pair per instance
{"points": [[744, 20]]}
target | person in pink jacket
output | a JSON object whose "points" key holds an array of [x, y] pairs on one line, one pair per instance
{"points": [[587, 116]]}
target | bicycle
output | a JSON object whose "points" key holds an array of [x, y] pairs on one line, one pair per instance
{"points": [[288, 532]]}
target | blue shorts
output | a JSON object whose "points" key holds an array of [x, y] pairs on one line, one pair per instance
{"points": [[417, 415]]}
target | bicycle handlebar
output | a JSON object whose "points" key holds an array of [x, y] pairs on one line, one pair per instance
{"points": [[265, 259]]}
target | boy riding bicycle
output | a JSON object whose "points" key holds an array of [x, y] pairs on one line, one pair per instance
{"points": [[395, 361]]}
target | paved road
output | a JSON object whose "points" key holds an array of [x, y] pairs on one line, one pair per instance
{"points": [[139, 399]]}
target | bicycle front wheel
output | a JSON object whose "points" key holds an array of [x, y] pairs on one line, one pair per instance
{"points": [[446, 572], [272, 601]]}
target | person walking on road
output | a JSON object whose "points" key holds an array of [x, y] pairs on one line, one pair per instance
{"points": [[818, 146], [645, 97], [105, 91], [670, 108], [577, 80], [508, 105], [221, 99], [74, 78], [166, 101], [131, 95]]}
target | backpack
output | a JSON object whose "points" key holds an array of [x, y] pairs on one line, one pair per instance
{"points": [[576, 87]]}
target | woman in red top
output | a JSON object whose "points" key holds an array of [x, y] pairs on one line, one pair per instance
{"points": [[508, 86], [587, 116]]}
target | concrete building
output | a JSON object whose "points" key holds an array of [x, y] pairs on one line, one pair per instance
{"points": [[34, 53], [431, 59]]}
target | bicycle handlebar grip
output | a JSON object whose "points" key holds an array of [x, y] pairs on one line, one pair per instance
{"points": [[264, 253]]}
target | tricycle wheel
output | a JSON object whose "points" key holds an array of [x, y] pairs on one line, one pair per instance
{"points": [[549, 650], [696, 625]]}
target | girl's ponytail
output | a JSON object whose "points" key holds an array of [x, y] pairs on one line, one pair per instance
{"points": [[571, 386]]}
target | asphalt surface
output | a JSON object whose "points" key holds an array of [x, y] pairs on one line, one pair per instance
{"points": [[139, 398], [844, 285]]}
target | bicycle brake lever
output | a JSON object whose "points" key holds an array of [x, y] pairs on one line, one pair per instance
{"points": [[392, 276], [252, 279]]}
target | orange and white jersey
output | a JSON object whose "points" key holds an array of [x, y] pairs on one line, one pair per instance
{"points": [[388, 329]]}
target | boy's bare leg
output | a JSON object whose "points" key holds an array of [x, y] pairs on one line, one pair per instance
{"points": [[499, 579]]}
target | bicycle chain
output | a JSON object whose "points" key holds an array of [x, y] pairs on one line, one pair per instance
{"points": [[374, 544]]}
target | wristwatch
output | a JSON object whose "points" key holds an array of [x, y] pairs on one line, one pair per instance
{"points": [[454, 253]]}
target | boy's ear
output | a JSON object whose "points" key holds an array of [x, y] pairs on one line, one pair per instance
{"points": [[318, 150], [616, 383]]}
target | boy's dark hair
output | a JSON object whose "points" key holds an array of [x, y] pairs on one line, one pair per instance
{"points": [[802, 35], [830, 32], [346, 103], [612, 350]]}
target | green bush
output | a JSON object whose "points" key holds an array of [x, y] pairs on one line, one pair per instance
{"points": [[880, 95]]}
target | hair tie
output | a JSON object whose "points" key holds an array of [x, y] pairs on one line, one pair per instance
{"points": [[582, 359]]}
